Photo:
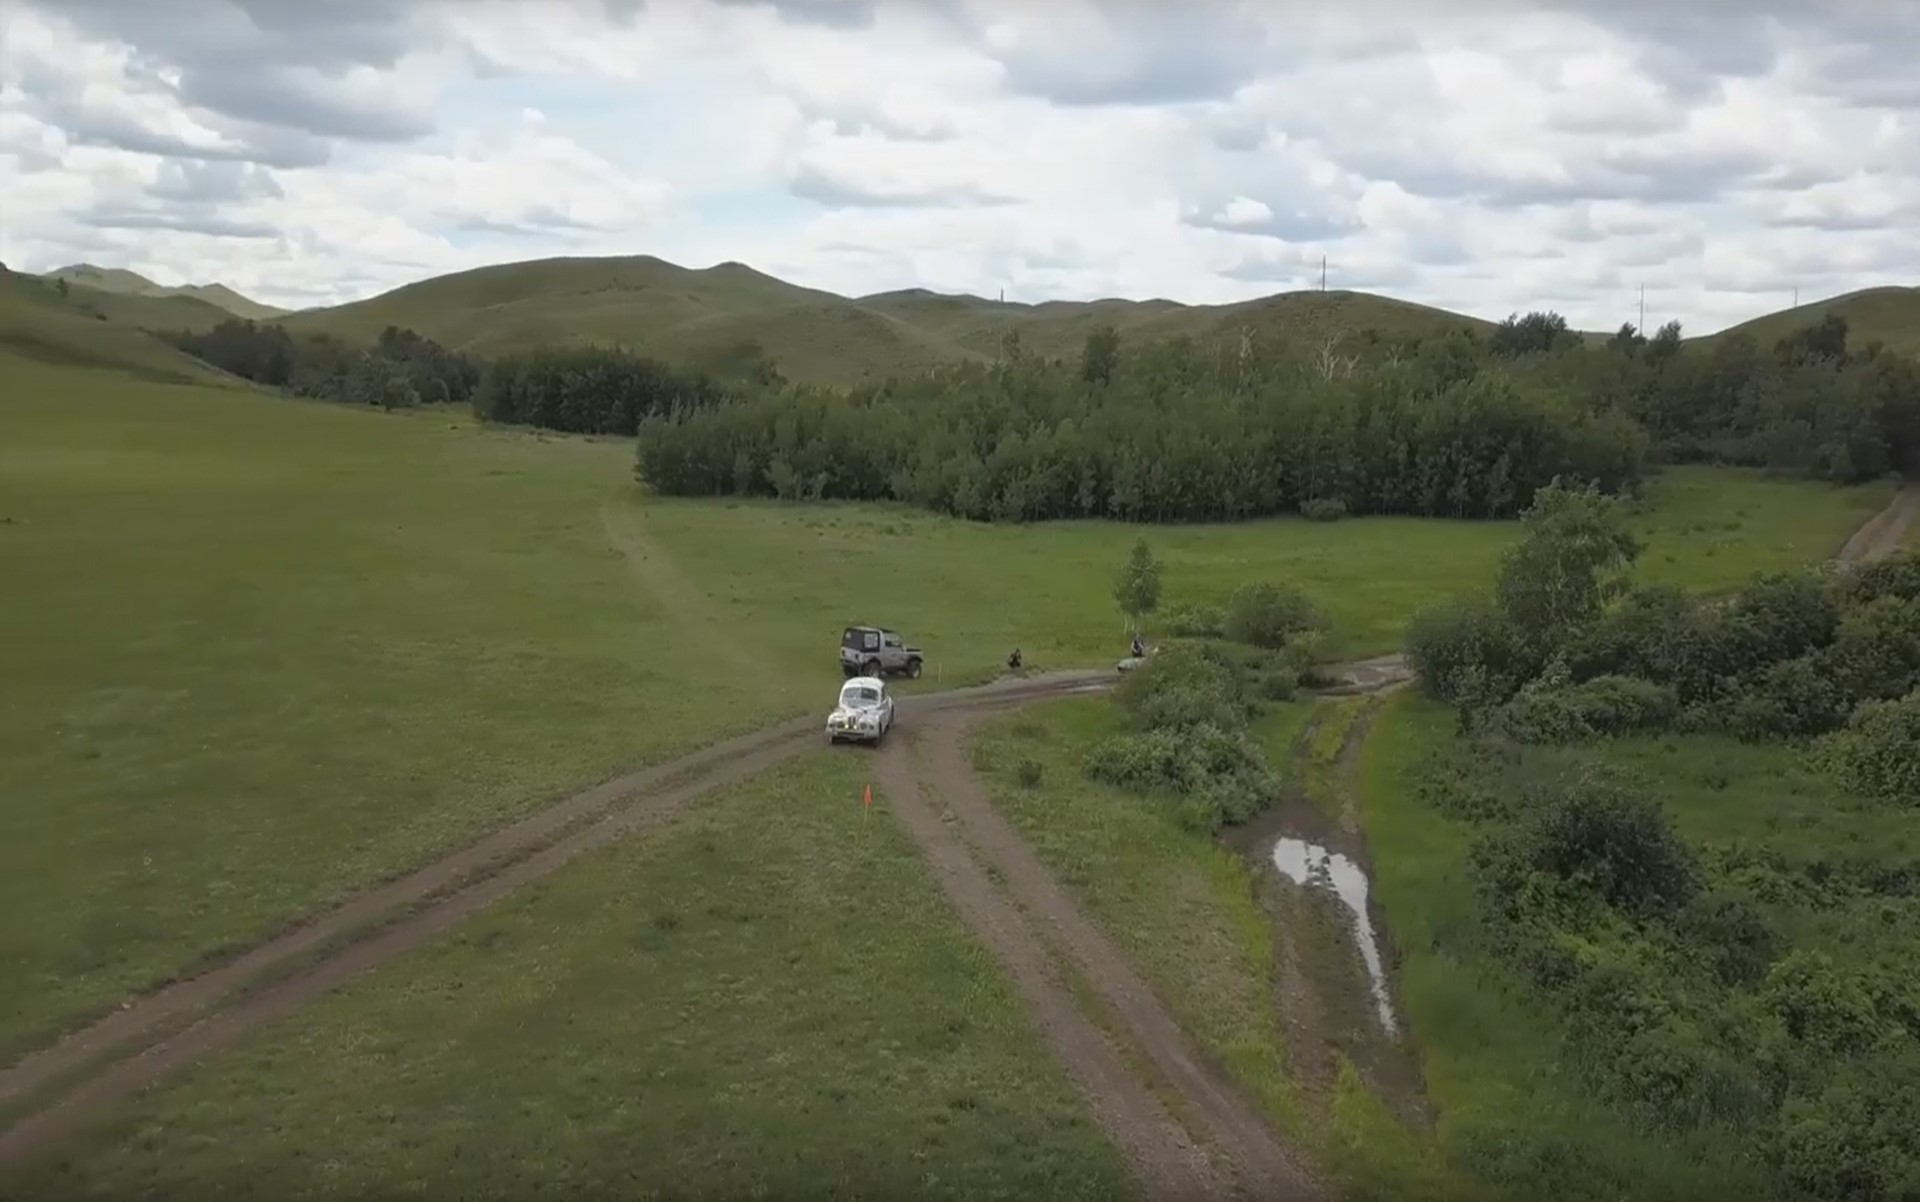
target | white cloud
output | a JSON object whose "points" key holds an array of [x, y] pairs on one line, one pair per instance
{"points": [[1489, 157]]}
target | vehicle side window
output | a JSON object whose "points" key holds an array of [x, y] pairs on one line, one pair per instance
{"points": [[871, 640], [891, 641]]}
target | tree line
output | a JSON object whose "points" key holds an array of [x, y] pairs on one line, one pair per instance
{"points": [[1167, 431], [400, 370], [578, 390], [1454, 425]]}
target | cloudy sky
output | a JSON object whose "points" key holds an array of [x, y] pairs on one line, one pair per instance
{"points": [[1483, 155]]}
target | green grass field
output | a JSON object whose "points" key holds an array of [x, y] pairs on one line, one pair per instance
{"points": [[770, 1000], [271, 651]]}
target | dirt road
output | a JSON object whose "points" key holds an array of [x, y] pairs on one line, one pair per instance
{"points": [[47, 1092], [1042, 938], [1885, 533]]}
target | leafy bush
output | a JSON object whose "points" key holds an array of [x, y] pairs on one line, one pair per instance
{"points": [[1895, 576], [1781, 617], [1791, 699], [1876, 653], [1466, 648], [1198, 621], [1617, 843], [1270, 615], [1185, 685], [1878, 752], [1731, 932], [1323, 509], [1858, 1138], [1029, 773], [1216, 777]]}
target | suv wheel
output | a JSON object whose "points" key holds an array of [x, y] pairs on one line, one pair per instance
{"points": [[873, 668], [913, 669]]}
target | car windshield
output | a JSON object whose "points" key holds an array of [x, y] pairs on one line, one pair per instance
{"points": [[859, 696]]}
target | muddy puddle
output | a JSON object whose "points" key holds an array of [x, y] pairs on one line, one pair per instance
{"points": [[1317, 867]]}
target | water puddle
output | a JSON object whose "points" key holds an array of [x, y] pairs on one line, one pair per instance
{"points": [[1314, 866]]}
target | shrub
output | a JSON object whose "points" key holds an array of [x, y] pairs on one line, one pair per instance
{"points": [[1141, 762], [1618, 843], [1858, 1139], [1323, 509], [1729, 930], [1466, 648], [1185, 685], [1548, 710], [1781, 617], [1029, 773], [1878, 752], [1876, 654], [1896, 576], [1790, 699], [1269, 615], [1199, 621]]}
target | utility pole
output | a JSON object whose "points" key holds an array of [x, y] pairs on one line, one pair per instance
{"points": [[1323, 273], [1796, 298], [1643, 311]]}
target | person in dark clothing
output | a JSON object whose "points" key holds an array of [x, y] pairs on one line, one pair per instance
{"points": [[1013, 661], [1139, 648]]}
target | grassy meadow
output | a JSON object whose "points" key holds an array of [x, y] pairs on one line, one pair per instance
{"points": [[270, 651], [786, 1007]]}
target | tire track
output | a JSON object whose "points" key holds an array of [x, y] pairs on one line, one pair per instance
{"points": [[1164, 1158], [125, 1051], [1230, 1125], [1885, 533]]}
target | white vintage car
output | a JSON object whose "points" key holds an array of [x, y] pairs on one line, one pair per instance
{"points": [[864, 714]]}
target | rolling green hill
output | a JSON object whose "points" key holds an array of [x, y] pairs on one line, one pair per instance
{"points": [[85, 328], [1891, 315], [693, 315], [727, 314], [121, 282]]}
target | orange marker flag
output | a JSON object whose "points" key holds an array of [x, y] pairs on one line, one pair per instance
{"points": [[866, 796]]}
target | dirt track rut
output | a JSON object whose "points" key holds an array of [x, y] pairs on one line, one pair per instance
{"points": [[126, 1050], [1885, 532], [1031, 911]]}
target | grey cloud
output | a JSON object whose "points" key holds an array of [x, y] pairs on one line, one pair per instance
{"points": [[264, 63], [810, 182], [543, 221], [211, 224], [832, 14], [1286, 225], [1161, 54], [208, 182], [291, 99], [853, 125], [272, 148]]}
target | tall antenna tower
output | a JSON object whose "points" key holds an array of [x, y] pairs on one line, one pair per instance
{"points": [[1323, 273], [1642, 327]]}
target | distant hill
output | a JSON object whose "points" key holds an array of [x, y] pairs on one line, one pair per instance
{"points": [[121, 282], [86, 328], [730, 314], [693, 316], [1891, 315]]}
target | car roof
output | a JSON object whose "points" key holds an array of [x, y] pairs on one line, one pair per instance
{"points": [[869, 681]]}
